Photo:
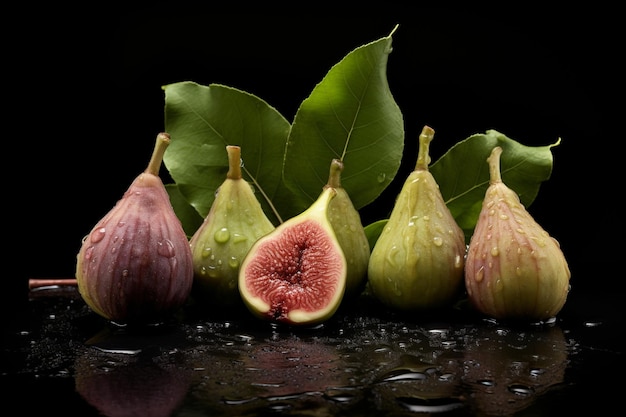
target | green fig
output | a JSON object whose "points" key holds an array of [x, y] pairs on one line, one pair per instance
{"points": [[417, 261], [296, 274], [514, 268], [350, 233], [135, 265], [234, 222]]}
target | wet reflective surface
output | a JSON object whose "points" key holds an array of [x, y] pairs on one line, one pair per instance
{"points": [[364, 361]]}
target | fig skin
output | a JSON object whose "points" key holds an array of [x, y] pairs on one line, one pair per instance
{"points": [[346, 223], [135, 265], [417, 262], [514, 269], [296, 274], [234, 222]]}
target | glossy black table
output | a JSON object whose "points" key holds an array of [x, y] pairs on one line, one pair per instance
{"points": [[59, 357]]}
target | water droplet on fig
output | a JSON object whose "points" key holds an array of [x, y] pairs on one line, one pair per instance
{"points": [[206, 252], [211, 271], [98, 235], [381, 177], [166, 248], [480, 274], [238, 237], [222, 235]]}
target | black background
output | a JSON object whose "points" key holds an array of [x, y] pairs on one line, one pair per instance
{"points": [[82, 104], [85, 103]]}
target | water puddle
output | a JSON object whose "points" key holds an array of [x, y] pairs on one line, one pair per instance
{"points": [[358, 363]]}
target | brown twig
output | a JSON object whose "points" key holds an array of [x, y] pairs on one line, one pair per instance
{"points": [[49, 282]]}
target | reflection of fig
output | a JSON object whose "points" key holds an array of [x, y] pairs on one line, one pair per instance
{"points": [[349, 230], [514, 269], [296, 274], [417, 262], [119, 388], [507, 370], [286, 367], [235, 221], [136, 264], [280, 376]]}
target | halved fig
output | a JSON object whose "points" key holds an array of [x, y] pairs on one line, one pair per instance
{"points": [[296, 274]]}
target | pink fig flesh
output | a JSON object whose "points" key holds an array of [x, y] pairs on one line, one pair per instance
{"points": [[296, 274]]}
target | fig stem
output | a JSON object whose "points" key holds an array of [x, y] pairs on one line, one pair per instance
{"points": [[234, 162], [162, 142], [334, 177], [494, 165], [423, 157], [47, 282]]}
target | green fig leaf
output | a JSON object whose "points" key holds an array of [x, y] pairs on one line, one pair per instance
{"points": [[373, 231], [350, 115], [202, 121], [188, 216], [463, 173]]}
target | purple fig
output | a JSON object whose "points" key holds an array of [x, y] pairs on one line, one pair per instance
{"points": [[514, 268], [135, 265]]}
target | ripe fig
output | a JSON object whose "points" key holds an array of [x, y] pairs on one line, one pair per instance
{"points": [[417, 261], [296, 274], [350, 233], [135, 265], [234, 222], [514, 268]]}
